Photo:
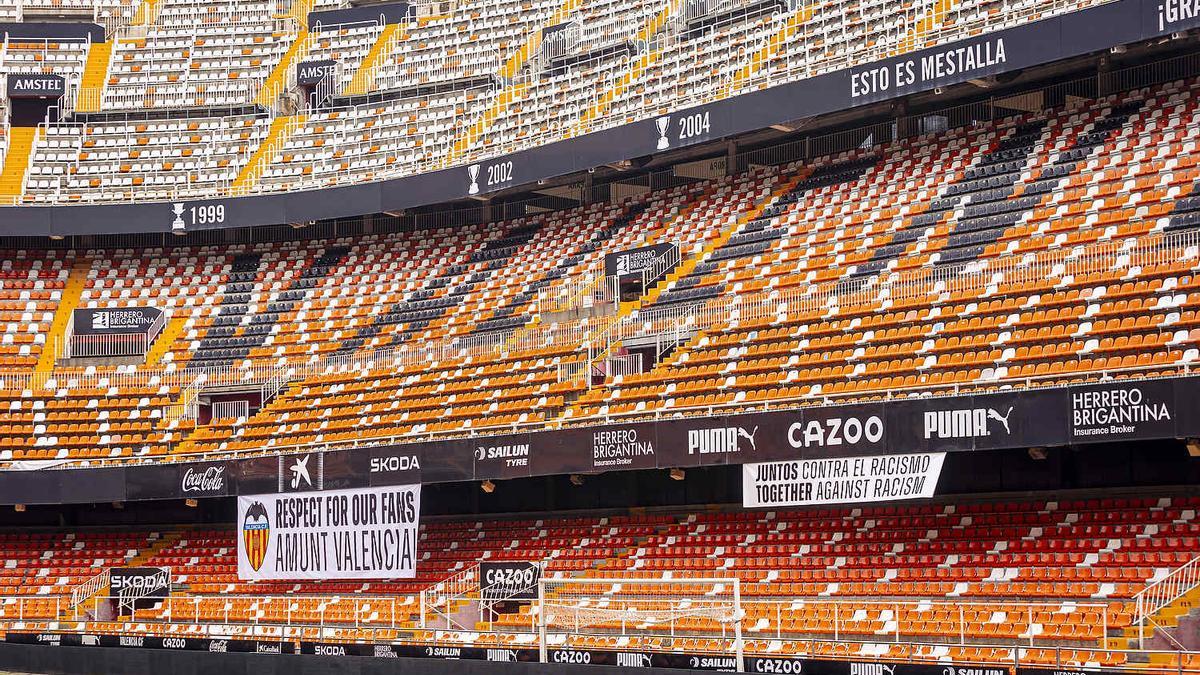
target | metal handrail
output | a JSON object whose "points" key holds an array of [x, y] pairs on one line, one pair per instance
{"points": [[90, 588], [1162, 593], [464, 585]]}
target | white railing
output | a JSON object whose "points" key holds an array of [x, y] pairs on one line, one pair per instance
{"points": [[230, 410], [187, 407], [620, 365], [660, 266], [287, 610], [930, 283], [128, 600], [445, 597], [580, 292], [846, 620], [570, 371], [89, 588], [112, 344], [428, 67], [561, 42], [1162, 593]]}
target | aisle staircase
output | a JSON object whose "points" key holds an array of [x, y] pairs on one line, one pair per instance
{"points": [[762, 57], [147, 13], [364, 79], [498, 107], [67, 303], [276, 82], [16, 163], [1167, 614], [162, 344], [95, 73], [686, 266], [282, 128]]}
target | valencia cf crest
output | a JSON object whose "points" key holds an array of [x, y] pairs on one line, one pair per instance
{"points": [[256, 530]]}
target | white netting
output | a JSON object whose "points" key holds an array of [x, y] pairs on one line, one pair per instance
{"points": [[691, 605]]}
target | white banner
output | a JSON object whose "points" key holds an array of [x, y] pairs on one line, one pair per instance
{"points": [[368, 533], [841, 480]]}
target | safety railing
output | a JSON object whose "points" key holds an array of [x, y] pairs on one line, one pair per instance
{"points": [[110, 344], [128, 600], [453, 604], [1161, 594], [90, 588], [660, 266], [940, 654], [916, 283], [231, 609], [579, 292], [230, 410]]}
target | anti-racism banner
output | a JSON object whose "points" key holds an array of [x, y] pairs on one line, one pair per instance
{"points": [[509, 580], [336, 534], [841, 480]]}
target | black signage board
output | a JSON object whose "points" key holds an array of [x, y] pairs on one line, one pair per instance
{"points": [[303, 472], [383, 12], [982, 422], [773, 665], [612, 447], [822, 667], [257, 475], [152, 642], [631, 263], [394, 465], [508, 580], [205, 479], [1123, 410], [444, 462], [35, 85], [310, 73], [393, 651], [507, 456], [1022, 670], [115, 321], [345, 470], [711, 662], [146, 584]]}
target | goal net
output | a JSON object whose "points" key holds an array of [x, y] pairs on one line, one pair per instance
{"points": [[697, 606]]}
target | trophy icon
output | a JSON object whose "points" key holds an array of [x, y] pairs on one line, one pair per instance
{"points": [[473, 172], [178, 224], [663, 141]]}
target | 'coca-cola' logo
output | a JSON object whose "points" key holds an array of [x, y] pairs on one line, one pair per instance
{"points": [[211, 479]]}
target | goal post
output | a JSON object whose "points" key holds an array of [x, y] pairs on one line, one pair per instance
{"points": [[702, 607]]}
